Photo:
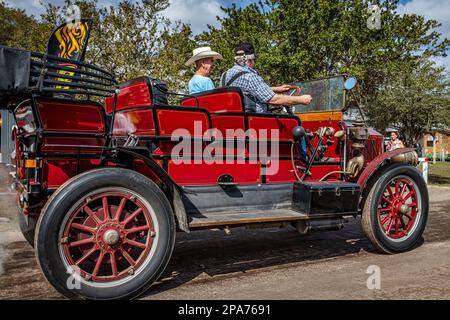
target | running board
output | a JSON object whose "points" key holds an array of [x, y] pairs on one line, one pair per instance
{"points": [[198, 221]]}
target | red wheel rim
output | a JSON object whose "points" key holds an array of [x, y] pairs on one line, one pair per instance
{"points": [[398, 208], [108, 237]]}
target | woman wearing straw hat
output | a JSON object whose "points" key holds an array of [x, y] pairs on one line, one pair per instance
{"points": [[204, 59]]}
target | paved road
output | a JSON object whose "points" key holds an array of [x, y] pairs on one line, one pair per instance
{"points": [[263, 264]]}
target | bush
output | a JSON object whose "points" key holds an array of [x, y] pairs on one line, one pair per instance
{"points": [[438, 158]]}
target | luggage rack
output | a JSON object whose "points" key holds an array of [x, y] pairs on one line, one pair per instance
{"points": [[26, 72], [51, 74], [31, 74]]}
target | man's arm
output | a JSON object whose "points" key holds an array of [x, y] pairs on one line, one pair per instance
{"points": [[282, 100], [282, 89], [262, 92]]}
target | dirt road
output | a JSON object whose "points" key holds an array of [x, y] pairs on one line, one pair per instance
{"points": [[263, 264]]}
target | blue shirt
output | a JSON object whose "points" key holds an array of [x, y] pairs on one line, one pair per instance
{"points": [[199, 84], [252, 84]]}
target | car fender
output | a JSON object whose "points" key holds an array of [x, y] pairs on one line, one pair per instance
{"points": [[391, 156], [170, 187]]}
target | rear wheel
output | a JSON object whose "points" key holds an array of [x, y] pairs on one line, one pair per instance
{"points": [[396, 210], [107, 234]]}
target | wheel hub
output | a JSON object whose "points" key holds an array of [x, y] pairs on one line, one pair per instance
{"points": [[111, 237], [399, 207]]}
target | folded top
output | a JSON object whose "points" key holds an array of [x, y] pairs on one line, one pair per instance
{"points": [[14, 70]]}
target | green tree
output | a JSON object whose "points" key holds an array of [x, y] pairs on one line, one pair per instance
{"points": [[19, 30], [415, 101], [309, 39], [125, 38], [176, 46], [250, 24]]}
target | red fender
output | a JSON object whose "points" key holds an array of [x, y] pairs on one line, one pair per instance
{"points": [[376, 163]]}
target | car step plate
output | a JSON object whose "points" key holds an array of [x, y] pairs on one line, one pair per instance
{"points": [[233, 219]]}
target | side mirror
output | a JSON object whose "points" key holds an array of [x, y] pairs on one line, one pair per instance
{"points": [[350, 84]]}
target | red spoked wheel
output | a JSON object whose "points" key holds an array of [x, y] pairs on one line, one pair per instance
{"points": [[106, 234], [395, 211], [109, 236], [398, 208]]}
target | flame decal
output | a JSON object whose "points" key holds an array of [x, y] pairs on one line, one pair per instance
{"points": [[71, 40]]}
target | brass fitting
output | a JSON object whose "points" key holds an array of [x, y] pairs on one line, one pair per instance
{"points": [[411, 158], [355, 166], [340, 135]]}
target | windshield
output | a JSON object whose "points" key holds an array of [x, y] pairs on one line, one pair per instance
{"points": [[328, 95]]}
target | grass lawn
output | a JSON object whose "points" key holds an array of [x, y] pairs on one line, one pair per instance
{"points": [[439, 174]]}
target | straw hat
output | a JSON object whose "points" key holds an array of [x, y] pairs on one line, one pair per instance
{"points": [[203, 53]]}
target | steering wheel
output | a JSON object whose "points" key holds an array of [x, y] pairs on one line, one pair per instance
{"points": [[294, 91]]}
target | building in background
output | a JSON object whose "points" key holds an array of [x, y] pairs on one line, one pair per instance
{"points": [[437, 145]]}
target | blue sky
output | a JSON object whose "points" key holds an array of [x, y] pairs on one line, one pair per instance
{"points": [[200, 13]]}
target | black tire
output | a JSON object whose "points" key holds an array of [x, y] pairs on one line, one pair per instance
{"points": [[47, 240], [370, 220], [28, 229]]}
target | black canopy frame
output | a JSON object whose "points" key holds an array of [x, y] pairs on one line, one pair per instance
{"points": [[31, 75], [35, 73]]}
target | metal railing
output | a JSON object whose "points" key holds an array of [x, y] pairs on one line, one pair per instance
{"points": [[55, 75]]}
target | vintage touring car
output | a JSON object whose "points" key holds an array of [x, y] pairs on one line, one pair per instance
{"points": [[102, 198]]}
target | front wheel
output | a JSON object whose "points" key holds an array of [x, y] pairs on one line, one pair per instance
{"points": [[106, 234], [396, 210]]}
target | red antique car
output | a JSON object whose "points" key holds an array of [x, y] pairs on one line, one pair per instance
{"points": [[107, 174]]}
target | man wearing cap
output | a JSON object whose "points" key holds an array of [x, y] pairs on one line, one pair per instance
{"points": [[243, 75], [204, 59]]}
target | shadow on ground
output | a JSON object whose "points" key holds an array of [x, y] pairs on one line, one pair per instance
{"points": [[439, 180], [207, 256]]}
